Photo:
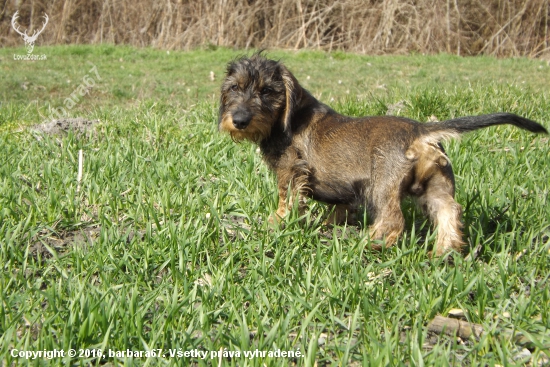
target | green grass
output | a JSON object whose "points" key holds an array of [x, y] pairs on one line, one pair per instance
{"points": [[165, 245]]}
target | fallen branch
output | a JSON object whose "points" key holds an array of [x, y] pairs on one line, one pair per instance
{"points": [[465, 330], [454, 327]]}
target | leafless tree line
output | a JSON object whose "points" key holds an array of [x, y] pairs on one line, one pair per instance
{"points": [[464, 27]]}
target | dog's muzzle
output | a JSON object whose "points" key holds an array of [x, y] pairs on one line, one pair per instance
{"points": [[241, 119]]}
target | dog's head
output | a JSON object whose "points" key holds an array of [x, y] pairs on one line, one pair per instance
{"points": [[257, 94]]}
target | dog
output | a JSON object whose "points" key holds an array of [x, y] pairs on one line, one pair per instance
{"points": [[347, 162]]}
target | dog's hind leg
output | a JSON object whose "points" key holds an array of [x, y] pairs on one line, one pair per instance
{"points": [[438, 203], [388, 218]]}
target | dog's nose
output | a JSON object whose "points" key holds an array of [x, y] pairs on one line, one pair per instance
{"points": [[241, 119]]}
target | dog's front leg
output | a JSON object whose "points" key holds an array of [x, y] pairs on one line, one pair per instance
{"points": [[281, 212], [286, 202], [282, 208]]}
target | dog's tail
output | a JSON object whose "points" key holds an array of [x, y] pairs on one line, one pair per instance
{"points": [[454, 127]]}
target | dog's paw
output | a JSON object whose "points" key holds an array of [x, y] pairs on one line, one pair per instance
{"points": [[275, 219]]}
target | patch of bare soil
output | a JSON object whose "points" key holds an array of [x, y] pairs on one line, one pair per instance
{"points": [[62, 126], [46, 243]]}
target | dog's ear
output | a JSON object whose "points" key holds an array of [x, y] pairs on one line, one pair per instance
{"points": [[229, 70], [293, 93]]}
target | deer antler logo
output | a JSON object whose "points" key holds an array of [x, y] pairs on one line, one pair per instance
{"points": [[29, 40]]}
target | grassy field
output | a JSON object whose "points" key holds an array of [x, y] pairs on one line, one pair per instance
{"points": [[162, 244]]}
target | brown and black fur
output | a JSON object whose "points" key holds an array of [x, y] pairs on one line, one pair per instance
{"points": [[372, 162]]}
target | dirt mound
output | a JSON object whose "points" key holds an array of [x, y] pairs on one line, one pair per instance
{"points": [[62, 126]]}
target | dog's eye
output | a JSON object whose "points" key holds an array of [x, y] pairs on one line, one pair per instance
{"points": [[266, 90], [234, 87]]}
